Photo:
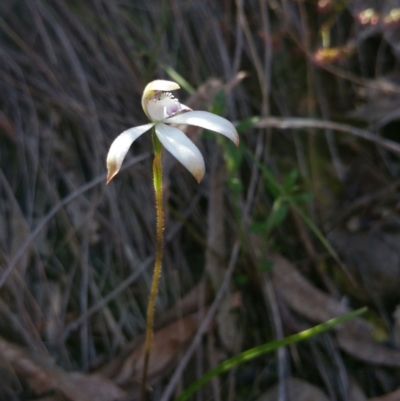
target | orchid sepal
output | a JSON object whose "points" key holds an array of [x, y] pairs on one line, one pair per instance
{"points": [[120, 146], [162, 108], [209, 121]]}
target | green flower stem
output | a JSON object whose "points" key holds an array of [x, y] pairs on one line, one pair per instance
{"points": [[157, 181]]}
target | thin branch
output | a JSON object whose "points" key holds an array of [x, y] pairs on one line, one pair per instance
{"points": [[300, 123]]}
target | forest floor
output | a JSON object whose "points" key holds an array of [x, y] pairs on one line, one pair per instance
{"points": [[299, 224]]}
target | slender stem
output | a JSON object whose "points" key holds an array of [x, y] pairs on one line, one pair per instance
{"points": [[157, 181]]}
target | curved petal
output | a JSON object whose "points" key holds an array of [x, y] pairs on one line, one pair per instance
{"points": [[208, 121], [120, 147], [184, 108], [181, 147], [159, 85]]}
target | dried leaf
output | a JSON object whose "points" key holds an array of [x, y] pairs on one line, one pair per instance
{"points": [[373, 259], [167, 344], [295, 390], [301, 295], [394, 396], [396, 327], [215, 221], [355, 392], [216, 240], [197, 297], [227, 325], [7, 127], [43, 375], [354, 337]]}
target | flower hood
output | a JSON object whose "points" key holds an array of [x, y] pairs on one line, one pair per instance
{"points": [[162, 108]]}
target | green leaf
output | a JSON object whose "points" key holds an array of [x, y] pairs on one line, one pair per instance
{"points": [[266, 266], [219, 103], [290, 182], [233, 156], [277, 191], [178, 78], [235, 185], [318, 233], [265, 348], [241, 279], [246, 124], [302, 198], [277, 216], [258, 227]]}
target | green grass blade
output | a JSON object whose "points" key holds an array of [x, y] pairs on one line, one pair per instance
{"points": [[265, 348], [280, 191], [317, 232], [178, 78]]}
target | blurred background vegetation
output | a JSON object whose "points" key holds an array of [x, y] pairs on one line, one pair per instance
{"points": [[298, 225]]}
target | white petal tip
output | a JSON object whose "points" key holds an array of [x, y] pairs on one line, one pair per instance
{"points": [[161, 85], [198, 176], [120, 147], [112, 170], [236, 140]]}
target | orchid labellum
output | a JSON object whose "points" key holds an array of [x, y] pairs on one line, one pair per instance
{"points": [[162, 108]]}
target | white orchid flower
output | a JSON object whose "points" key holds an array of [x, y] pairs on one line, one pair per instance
{"points": [[162, 108]]}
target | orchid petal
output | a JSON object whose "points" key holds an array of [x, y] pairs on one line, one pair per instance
{"points": [[185, 108], [164, 106], [161, 85], [120, 147], [181, 147], [207, 120], [152, 88]]}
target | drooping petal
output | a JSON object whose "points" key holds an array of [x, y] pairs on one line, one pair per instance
{"points": [[181, 147], [207, 120], [120, 147]]}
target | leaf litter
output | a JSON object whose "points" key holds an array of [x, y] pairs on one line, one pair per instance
{"points": [[75, 257]]}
